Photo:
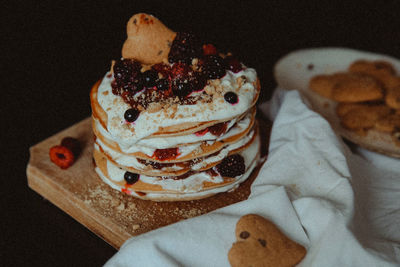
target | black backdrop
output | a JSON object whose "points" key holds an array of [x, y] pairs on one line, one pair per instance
{"points": [[53, 51]]}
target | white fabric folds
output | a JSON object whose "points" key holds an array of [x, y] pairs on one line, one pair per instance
{"points": [[343, 206]]}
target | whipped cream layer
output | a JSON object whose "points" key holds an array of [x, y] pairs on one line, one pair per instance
{"points": [[185, 143], [243, 83], [125, 160], [190, 187]]}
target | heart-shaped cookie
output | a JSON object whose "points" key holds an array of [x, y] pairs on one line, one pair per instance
{"points": [[148, 41], [261, 243]]}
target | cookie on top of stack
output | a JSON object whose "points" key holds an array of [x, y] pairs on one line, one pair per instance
{"points": [[174, 119]]}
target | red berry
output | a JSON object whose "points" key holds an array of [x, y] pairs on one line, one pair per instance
{"points": [[62, 156], [218, 128], [201, 132], [231, 166], [166, 154], [209, 49], [185, 80], [233, 64], [162, 68], [180, 70]]}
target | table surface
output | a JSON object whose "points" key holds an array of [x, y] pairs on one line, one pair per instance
{"points": [[54, 51]]}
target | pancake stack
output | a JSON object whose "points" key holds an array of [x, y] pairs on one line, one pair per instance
{"points": [[174, 122]]}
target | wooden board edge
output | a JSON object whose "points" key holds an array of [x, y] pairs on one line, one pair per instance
{"points": [[76, 208]]}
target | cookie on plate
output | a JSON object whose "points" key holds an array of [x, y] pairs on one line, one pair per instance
{"points": [[357, 88], [392, 98], [347, 87], [364, 116], [389, 124], [261, 243], [381, 70]]}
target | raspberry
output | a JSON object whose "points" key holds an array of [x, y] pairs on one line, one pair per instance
{"points": [[185, 80], [166, 154], [181, 71], [184, 48], [218, 128], [233, 64], [209, 49], [231, 166], [62, 156], [162, 68], [201, 132]]}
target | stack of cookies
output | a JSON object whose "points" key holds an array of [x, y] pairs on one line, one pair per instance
{"points": [[368, 96], [174, 119]]}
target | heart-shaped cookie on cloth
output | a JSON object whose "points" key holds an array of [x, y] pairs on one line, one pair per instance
{"points": [[261, 243]]}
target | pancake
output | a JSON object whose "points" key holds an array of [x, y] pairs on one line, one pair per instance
{"points": [[174, 124], [136, 165], [186, 151], [194, 186]]}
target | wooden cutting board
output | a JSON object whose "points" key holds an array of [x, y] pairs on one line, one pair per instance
{"points": [[112, 215]]}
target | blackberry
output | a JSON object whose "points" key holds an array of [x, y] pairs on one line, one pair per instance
{"points": [[213, 67], [198, 81], [162, 84], [127, 76], [184, 48], [149, 78], [231, 166], [181, 88]]}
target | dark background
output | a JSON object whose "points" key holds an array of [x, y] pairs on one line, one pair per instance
{"points": [[53, 51]]}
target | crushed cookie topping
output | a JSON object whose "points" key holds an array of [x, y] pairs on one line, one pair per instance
{"points": [[190, 75]]}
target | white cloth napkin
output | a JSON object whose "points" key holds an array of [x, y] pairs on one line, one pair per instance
{"points": [[345, 209]]}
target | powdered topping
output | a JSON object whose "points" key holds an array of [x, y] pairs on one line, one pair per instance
{"points": [[167, 115]]}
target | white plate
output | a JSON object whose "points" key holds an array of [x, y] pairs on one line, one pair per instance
{"points": [[295, 70]]}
